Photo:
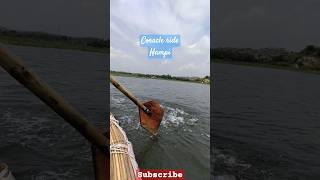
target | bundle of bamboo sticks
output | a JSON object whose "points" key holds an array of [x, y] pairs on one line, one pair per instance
{"points": [[123, 163]]}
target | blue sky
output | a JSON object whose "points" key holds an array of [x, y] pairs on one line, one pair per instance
{"points": [[189, 18]]}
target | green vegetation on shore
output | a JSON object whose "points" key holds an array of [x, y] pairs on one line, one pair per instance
{"points": [[306, 60], [45, 40], [203, 80]]}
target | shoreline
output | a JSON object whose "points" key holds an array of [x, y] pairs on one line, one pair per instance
{"points": [[157, 77], [263, 65], [57, 44], [306, 60]]}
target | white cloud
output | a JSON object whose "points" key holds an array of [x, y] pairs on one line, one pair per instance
{"points": [[188, 18], [187, 67]]}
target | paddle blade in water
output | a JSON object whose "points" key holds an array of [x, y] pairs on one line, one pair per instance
{"points": [[151, 122]]}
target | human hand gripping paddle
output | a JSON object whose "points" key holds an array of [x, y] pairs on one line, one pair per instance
{"points": [[150, 112]]}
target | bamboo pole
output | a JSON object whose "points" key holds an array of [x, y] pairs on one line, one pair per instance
{"points": [[31, 81], [129, 95]]}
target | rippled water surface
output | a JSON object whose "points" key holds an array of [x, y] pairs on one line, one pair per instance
{"points": [[184, 131], [266, 123], [34, 141]]}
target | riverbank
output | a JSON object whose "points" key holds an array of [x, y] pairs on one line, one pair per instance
{"points": [[306, 60], [45, 40], [262, 65], [202, 80]]}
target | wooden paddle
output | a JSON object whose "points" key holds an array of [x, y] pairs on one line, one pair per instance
{"points": [[31, 81], [150, 112]]}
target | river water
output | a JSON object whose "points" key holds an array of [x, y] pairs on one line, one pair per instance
{"points": [[265, 123], [34, 141], [37, 144], [184, 133]]}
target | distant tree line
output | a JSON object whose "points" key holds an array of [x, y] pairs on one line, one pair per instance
{"points": [[306, 59], [39, 39], [204, 80]]}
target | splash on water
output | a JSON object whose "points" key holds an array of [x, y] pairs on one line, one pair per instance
{"points": [[118, 101], [177, 117], [229, 160]]}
